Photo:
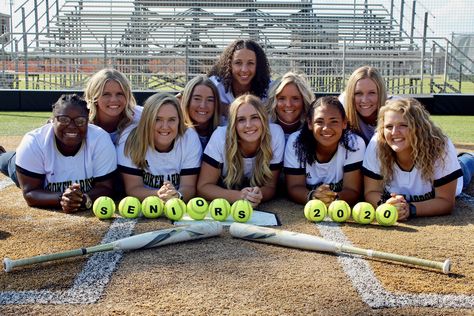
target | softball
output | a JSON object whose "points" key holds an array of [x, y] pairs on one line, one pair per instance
{"points": [[103, 207], [386, 214]]}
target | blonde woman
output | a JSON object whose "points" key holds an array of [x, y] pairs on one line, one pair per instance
{"points": [[364, 95], [243, 160], [111, 102], [288, 102], [410, 163], [160, 156], [201, 107]]}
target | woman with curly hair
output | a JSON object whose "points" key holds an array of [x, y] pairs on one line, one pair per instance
{"points": [[111, 102], [323, 159], [248, 165], [410, 163], [288, 102], [160, 156], [242, 68], [201, 107], [364, 95]]}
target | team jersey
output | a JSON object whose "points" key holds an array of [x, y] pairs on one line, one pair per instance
{"points": [[410, 183], [38, 157], [122, 137], [227, 97], [215, 151], [183, 159], [331, 172]]}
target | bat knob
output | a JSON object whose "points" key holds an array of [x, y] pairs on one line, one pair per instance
{"points": [[447, 266], [7, 264]]}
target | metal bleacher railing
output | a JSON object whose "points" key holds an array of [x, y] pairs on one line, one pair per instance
{"points": [[160, 45]]}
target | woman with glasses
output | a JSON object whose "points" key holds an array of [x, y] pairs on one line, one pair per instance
{"points": [[66, 163]]}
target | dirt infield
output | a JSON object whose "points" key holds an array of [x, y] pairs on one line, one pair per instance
{"points": [[224, 275]]}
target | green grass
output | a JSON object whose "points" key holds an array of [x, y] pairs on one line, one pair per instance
{"points": [[459, 128], [18, 123]]}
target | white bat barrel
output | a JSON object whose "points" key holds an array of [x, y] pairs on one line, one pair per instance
{"points": [[282, 237], [169, 236]]}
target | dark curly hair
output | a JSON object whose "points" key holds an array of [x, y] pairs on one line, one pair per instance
{"points": [[305, 145], [223, 68]]}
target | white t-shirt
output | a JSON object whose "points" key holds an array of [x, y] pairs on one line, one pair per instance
{"points": [[38, 157], [183, 159], [215, 151], [227, 97], [331, 172], [116, 138], [410, 183]]}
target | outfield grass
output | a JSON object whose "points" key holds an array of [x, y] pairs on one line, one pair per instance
{"points": [[459, 128], [18, 123]]}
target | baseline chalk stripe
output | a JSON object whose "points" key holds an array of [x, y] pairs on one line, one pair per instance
{"points": [[90, 282], [372, 291], [6, 183]]}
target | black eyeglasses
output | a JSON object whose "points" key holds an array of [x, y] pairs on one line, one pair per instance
{"points": [[66, 120]]}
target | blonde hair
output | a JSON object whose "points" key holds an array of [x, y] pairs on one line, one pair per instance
{"points": [[427, 141], [364, 72], [301, 84], [261, 173], [186, 101], [142, 136], [95, 88]]}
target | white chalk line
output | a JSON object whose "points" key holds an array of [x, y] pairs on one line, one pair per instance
{"points": [[90, 282], [5, 183], [372, 291]]}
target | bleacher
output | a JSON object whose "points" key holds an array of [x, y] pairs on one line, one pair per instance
{"points": [[162, 44]]}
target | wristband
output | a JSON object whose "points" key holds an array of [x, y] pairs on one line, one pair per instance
{"points": [[309, 197], [412, 208]]}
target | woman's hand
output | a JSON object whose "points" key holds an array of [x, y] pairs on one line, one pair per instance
{"points": [[252, 194], [71, 199], [401, 205], [325, 194], [167, 191]]}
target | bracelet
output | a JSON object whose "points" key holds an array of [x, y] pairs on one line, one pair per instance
{"points": [[309, 197], [180, 195], [412, 209]]}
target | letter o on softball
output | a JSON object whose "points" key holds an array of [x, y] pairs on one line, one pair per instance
{"points": [[103, 207], [175, 209], [386, 214], [130, 207], [241, 211], [197, 208], [315, 210], [363, 213], [339, 211], [152, 207], [219, 209]]}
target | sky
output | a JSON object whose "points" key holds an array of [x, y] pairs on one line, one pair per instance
{"points": [[444, 16]]}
